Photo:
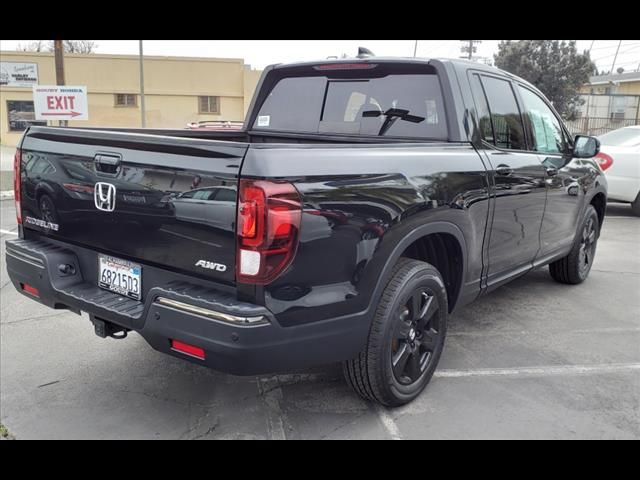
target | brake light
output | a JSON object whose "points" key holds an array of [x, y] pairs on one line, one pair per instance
{"points": [[268, 225], [605, 161], [345, 66], [17, 193]]}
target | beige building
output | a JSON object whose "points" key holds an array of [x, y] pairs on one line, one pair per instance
{"points": [[627, 83], [178, 90]]}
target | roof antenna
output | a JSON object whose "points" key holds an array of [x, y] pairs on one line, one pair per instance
{"points": [[364, 52]]}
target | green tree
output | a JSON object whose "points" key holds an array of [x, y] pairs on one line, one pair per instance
{"points": [[554, 66]]}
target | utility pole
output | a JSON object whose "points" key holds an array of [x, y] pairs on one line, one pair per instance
{"points": [[469, 49], [615, 57], [415, 49], [142, 106], [58, 51]]}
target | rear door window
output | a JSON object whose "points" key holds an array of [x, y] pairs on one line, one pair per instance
{"points": [[482, 107], [395, 105], [508, 130]]}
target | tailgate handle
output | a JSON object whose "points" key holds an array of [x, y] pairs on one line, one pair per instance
{"points": [[107, 164]]}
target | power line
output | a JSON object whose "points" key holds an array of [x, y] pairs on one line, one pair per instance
{"points": [[613, 54], [613, 46]]}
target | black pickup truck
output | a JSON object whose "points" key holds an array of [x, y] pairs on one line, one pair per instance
{"points": [[362, 203]]}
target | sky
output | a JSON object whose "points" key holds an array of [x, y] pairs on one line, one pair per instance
{"points": [[260, 53]]}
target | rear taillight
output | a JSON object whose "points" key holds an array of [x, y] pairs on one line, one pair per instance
{"points": [[17, 160], [267, 229], [605, 161]]}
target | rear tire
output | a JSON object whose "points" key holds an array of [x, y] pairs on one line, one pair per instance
{"points": [[575, 267], [406, 337], [635, 206]]}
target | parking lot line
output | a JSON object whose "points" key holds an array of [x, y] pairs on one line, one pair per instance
{"points": [[578, 331], [388, 423], [539, 371], [7, 232]]}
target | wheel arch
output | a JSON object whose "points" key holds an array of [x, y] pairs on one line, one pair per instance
{"points": [[422, 243], [599, 202]]}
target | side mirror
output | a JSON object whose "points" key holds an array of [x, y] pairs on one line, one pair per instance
{"points": [[585, 147]]}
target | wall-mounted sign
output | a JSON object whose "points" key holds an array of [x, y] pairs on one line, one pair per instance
{"points": [[60, 102], [16, 74]]}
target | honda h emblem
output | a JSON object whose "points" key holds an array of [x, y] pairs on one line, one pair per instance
{"points": [[105, 196]]}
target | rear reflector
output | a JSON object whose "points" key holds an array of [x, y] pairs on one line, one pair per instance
{"points": [[30, 290], [187, 349]]}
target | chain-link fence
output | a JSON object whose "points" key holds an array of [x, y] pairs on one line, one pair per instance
{"points": [[602, 113]]}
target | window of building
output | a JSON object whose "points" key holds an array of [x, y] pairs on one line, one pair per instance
{"points": [[21, 115], [209, 104], [126, 99], [508, 130]]}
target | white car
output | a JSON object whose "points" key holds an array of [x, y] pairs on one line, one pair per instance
{"points": [[619, 158]]}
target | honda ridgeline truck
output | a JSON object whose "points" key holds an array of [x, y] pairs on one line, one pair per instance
{"points": [[364, 201]]}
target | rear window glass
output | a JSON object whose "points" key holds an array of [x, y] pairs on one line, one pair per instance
{"points": [[400, 105]]}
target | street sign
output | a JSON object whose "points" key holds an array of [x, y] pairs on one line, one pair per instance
{"points": [[60, 102]]}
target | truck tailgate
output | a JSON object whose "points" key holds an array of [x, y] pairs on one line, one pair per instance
{"points": [[149, 199]]}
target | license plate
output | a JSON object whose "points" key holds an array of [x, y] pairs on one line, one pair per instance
{"points": [[120, 276]]}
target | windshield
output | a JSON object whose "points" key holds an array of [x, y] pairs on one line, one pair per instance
{"points": [[621, 137], [396, 105]]}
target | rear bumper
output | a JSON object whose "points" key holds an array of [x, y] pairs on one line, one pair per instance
{"points": [[240, 349]]}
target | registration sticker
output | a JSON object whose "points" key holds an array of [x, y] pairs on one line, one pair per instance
{"points": [[264, 120]]}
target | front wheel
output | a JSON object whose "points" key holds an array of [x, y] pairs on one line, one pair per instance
{"points": [[575, 267], [406, 337]]}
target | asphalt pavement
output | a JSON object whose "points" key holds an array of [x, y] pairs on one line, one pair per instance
{"points": [[535, 359]]}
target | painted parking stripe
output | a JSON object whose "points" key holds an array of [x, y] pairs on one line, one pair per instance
{"points": [[539, 371], [7, 232], [388, 423]]}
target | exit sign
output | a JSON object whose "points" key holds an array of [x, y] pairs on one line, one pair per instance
{"points": [[60, 102]]}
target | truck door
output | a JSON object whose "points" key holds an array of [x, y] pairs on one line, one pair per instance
{"points": [[565, 178], [518, 180]]}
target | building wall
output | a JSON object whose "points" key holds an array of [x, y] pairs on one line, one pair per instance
{"points": [[624, 88], [172, 87], [251, 79]]}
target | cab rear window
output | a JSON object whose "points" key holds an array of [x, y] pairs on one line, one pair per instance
{"points": [[395, 105]]}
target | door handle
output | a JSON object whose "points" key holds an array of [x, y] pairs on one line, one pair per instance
{"points": [[504, 170], [552, 171]]}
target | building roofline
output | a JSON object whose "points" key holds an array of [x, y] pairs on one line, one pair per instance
{"points": [[118, 56], [618, 78]]}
